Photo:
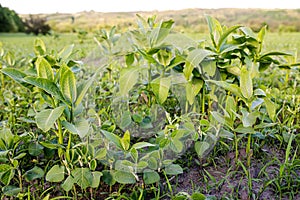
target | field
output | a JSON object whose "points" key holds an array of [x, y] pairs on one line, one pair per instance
{"points": [[150, 113]]}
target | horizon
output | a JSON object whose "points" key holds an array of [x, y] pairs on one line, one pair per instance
{"points": [[49, 7]]}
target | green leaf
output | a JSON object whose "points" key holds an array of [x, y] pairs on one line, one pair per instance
{"points": [[108, 177], [161, 32], [51, 145], [46, 118], [68, 84], [264, 125], [173, 169], [11, 190], [180, 42], [9, 58], [16, 75], [226, 134], [80, 127], [44, 69], [148, 57], [257, 102], [112, 138], [4, 168], [192, 88], [82, 177], [224, 36], [83, 88], [201, 148], [124, 177], [39, 47], [34, 173], [125, 120], [152, 163], [7, 175], [271, 108], [160, 87], [125, 141], [194, 58], [259, 92], [19, 156], [46, 197], [215, 28], [176, 145], [150, 177], [230, 106], [128, 78], [246, 83], [129, 59], [96, 179], [137, 118], [66, 52], [260, 37], [56, 174], [273, 53], [47, 85], [234, 89], [67, 185], [249, 119], [208, 67], [217, 116], [140, 145], [100, 154], [198, 196], [242, 129], [6, 138], [35, 149]]}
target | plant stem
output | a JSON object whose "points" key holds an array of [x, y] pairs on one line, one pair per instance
{"points": [[203, 101], [59, 131], [20, 179], [60, 137], [236, 147], [248, 150]]}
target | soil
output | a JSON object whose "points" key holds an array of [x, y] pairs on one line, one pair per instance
{"points": [[228, 180]]}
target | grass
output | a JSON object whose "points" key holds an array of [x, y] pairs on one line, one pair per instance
{"points": [[21, 42]]}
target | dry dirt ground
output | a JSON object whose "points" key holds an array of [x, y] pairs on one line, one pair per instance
{"points": [[228, 180]]}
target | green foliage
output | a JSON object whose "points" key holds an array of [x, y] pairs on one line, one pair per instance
{"points": [[10, 21], [129, 122]]}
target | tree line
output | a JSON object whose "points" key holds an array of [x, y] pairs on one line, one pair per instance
{"points": [[10, 21]]}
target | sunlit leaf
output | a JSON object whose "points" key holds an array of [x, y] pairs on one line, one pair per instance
{"points": [[125, 120], [44, 69], [96, 179], [47, 85], [271, 108], [201, 148], [68, 84], [56, 174], [173, 169], [124, 177], [80, 127], [150, 177], [125, 140], [246, 83], [46, 118], [82, 177], [39, 47], [160, 87], [128, 78]]}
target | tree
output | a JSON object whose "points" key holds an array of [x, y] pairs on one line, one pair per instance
{"points": [[10, 21], [37, 25]]}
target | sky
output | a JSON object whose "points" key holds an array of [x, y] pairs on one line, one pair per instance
{"points": [[72, 6]]}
